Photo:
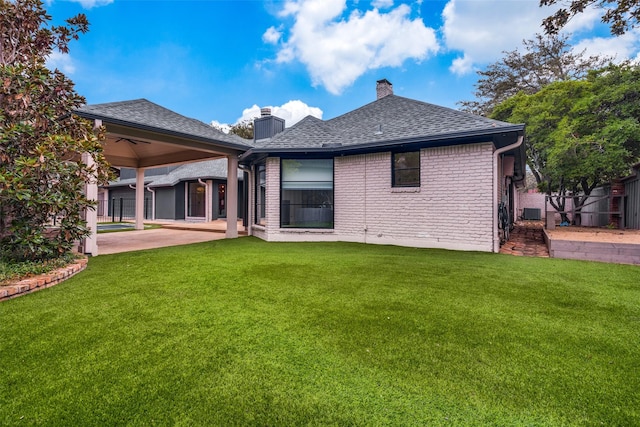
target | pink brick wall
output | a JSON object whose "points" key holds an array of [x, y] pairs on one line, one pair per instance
{"points": [[452, 209], [272, 202], [537, 200]]}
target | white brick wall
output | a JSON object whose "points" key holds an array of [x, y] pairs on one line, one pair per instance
{"points": [[452, 208], [272, 209]]}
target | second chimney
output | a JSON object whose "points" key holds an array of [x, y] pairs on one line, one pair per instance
{"points": [[384, 88], [266, 126]]}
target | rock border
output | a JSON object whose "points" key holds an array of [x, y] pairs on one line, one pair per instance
{"points": [[42, 281]]}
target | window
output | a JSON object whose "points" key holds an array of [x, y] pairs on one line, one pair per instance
{"points": [[261, 193], [406, 169], [306, 198]]}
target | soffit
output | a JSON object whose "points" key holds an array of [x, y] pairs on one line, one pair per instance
{"points": [[141, 134]]}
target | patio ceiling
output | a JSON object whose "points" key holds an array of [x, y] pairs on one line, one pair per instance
{"points": [[141, 134]]}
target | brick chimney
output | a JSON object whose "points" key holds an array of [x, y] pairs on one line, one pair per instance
{"points": [[384, 88]]}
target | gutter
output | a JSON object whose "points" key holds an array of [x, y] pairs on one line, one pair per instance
{"points": [[153, 202], [453, 139], [496, 155]]}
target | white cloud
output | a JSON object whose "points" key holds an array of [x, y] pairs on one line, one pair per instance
{"points": [[482, 30], [61, 61], [271, 36], [382, 4], [619, 48], [222, 126], [461, 65], [338, 49], [292, 112], [88, 4], [584, 21]]}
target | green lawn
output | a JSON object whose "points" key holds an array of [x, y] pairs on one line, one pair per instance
{"points": [[244, 332]]}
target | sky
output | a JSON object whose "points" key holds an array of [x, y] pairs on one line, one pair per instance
{"points": [[221, 61]]}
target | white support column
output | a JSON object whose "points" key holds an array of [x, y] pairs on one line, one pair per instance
{"points": [[90, 244], [232, 197], [140, 199]]}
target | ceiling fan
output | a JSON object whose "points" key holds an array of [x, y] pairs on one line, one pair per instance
{"points": [[132, 141]]}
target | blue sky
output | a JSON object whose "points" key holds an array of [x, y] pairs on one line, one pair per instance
{"points": [[214, 60]]}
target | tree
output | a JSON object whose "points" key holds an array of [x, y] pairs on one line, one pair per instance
{"points": [[545, 60], [42, 176], [580, 134], [621, 15], [243, 129]]}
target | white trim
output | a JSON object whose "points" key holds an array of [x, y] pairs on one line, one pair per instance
{"points": [[140, 199], [186, 204]]}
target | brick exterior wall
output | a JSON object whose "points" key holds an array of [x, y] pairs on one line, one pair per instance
{"points": [[272, 209], [537, 200], [452, 208]]}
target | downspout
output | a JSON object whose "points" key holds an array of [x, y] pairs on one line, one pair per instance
{"points": [[496, 156], [153, 202]]}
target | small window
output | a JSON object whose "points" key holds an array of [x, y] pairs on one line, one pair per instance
{"points": [[406, 169]]}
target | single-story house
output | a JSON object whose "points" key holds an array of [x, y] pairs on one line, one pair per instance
{"points": [[395, 171]]}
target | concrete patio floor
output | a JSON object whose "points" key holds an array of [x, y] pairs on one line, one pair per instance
{"points": [[127, 241]]}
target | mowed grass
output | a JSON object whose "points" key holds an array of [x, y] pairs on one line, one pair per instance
{"points": [[244, 332]]}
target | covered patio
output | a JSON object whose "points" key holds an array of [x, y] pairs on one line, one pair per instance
{"points": [[142, 135]]}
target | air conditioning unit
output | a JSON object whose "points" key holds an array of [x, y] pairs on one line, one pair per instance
{"points": [[531, 214]]}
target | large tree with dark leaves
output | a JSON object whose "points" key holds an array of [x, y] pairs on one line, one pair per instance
{"points": [[41, 142], [621, 15], [543, 61], [580, 134]]}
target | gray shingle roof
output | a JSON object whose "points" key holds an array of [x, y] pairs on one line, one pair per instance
{"points": [[209, 169], [145, 114], [310, 131], [383, 122]]}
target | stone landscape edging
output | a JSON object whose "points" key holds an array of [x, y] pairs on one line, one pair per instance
{"points": [[42, 281]]}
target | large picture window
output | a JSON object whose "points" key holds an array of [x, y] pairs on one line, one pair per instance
{"points": [[306, 198], [261, 193], [406, 169]]}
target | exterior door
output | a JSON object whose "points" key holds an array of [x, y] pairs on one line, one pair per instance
{"points": [[196, 200]]}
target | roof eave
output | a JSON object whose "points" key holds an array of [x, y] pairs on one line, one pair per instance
{"points": [[148, 128], [457, 138]]}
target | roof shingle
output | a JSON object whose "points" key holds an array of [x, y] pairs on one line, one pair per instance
{"points": [[145, 114], [391, 118]]}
